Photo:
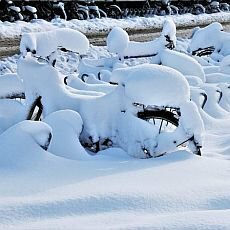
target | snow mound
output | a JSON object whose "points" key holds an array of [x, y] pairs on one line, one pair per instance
{"points": [[183, 63], [77, 83], [212, 36], [10, 85], [24, 143], [34, 76], [204, 37], [45, 43], [167, 39], [193, 125], [225, 100], [225, 65], [117, 40], [66, 128], [169, 30], [143, 48], [218, 78], [11, 112], [152, 84], [135, 134], [193, 80], [211, 69], [212, 106]]}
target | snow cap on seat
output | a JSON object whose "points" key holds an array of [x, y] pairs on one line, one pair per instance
{"points": [[117, 40], [169, 30], [45, 43], [152, 84]]}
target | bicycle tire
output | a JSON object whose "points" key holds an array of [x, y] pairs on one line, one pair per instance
{"points": [[159, 114], [198, 9], [93, 15], [45, 12], [171, 117], [174, 10], [114, 12]]}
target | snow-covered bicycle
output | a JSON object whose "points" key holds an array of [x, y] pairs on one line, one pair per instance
{"points": [[143, 114], [114, 118], [203, 41], [9, 12]]}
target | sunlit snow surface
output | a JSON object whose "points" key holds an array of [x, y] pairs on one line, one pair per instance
{"points": [[111, 190]]}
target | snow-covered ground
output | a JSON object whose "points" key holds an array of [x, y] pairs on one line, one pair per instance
{"points": [[105, 24], [114, 191], [57, 189]]}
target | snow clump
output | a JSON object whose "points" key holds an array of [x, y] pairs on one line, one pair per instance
{"points": [[183, 63], [45, 43], [212, 36], [156, 85], [203, 37], [117, 41], [167, 39], [66, 128], [24, 144]]}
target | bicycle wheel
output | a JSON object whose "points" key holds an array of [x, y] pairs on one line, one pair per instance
{"points": [[174, 10], [45, 12], [36, 109], [102, 13], [198, 9], [225, 7], [94, 14], [81, 15], [167, 122], [114, 12]]}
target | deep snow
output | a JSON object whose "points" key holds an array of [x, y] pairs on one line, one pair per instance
{"points": [[112, 190]]}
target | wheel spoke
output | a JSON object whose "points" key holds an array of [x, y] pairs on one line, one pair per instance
{"points": [[170, 116], [161, 126]]}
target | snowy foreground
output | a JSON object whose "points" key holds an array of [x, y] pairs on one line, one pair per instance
{"points": [[112, 190]]}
